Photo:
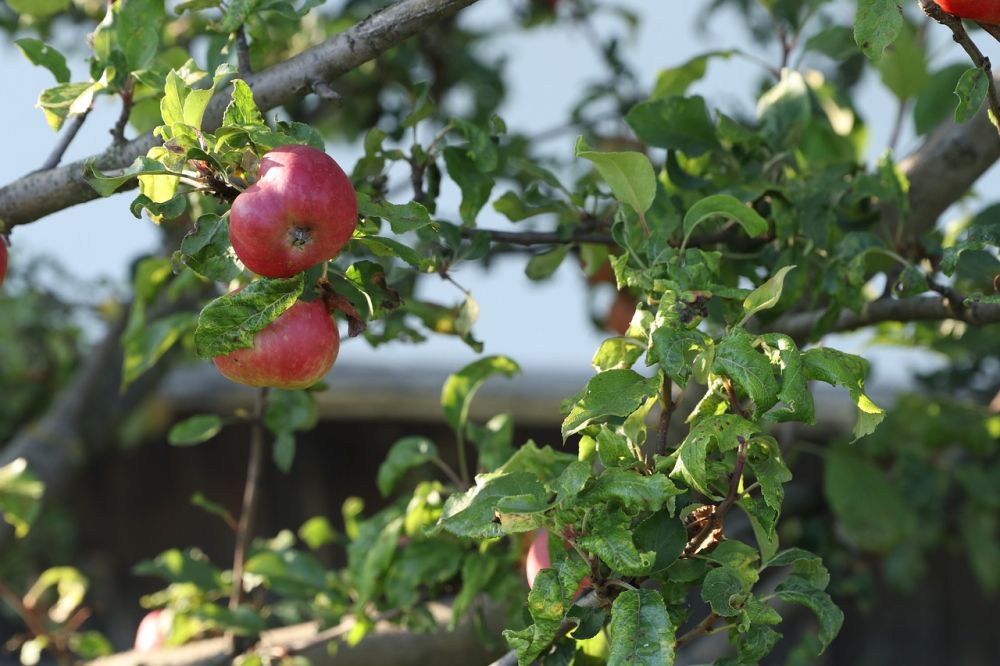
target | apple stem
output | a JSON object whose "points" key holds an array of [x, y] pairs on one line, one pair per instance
{"points": [[248, 511]]}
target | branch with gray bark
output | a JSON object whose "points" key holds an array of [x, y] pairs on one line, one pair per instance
{"points": [[386, 645], [800, 325], [42, 193]]}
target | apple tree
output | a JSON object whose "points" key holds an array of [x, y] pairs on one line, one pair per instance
{"points": [[737, 242]]}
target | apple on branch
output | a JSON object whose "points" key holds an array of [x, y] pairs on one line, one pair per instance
{"points": [[301, 211], [984, 11], [538, 559], [153, 630], [294, 351]]}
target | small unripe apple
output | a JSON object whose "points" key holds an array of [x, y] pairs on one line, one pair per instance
{"points": [[301, 211], [3, 261], [294, 352], [153, 630], [984, 11]]}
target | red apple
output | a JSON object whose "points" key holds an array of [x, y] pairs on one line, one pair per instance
{"points": [[985, 11], [300, 212], [3, 261], [153, 631], [538, 559], [294, 352]]}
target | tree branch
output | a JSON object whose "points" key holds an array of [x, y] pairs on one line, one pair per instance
{"points": [[39, 194], [69, 133], [919, 308], [387, 645], [248, 512]]}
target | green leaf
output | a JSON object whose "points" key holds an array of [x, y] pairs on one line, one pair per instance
{"points": [[805, 565], [794, 394], [39, 53], [629, 174], [401, 218], [724, 590], [904, 66], [678, 123], [105, 184], [375, 560], [404, 455], [749, 369], [767, 295], [631, 490], [543, 265], [870, 509], [289, 571], [614, 393], [876, 26], [242, 110], [614, 450], [937, 102], [725, 206], [207, 251], [609, 537], [840, 369], [138, 27], [472, 514], [283, 450], [288, 411], [677, 80], [460, 388], [69, 99], [797, 591], [664, 535], [724, 431], [547, 607], [145, 345], [616, 353], [418, 569], [785, 110], [494, 441], [230, 322], [20, 495], [317, 532], [474, 184], [971, 91], [764, 459], [675, 350], [190, 566], [38, 8], [641, 631], [195, 430]]}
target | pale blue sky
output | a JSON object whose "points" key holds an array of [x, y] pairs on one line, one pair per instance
{"points": [[542, 326]]}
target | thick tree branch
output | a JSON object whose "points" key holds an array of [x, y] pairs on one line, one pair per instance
{"points": [[39, 194], [919, 308], [387, 645]]}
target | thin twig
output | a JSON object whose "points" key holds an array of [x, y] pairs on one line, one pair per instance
{"points": [[667, 411], [961, 37], [250, 499], [69, 133], [450, 473], [734, 480], [701, 629], [118, 131], [243, 53]]}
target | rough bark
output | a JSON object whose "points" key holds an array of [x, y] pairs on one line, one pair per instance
{"points": [[41, 193]]}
